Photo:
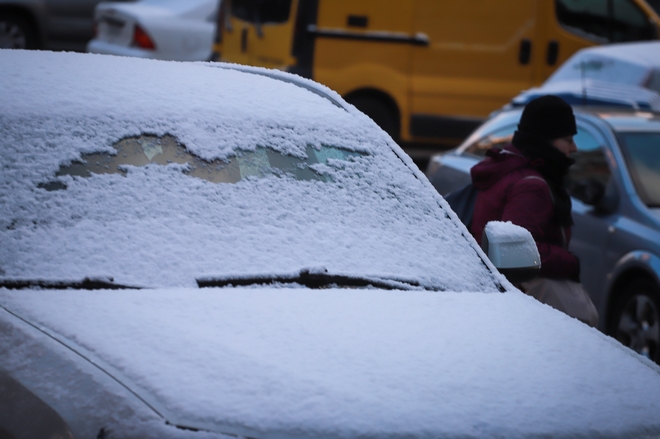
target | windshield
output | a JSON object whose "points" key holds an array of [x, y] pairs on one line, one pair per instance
{"points": [[133, 175], [642, 152]]}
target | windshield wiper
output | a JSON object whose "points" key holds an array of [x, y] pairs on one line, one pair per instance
{"points": [[85, 284], [315, 279]]}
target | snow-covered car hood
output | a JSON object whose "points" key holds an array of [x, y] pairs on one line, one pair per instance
{"points": [[292, 362]]}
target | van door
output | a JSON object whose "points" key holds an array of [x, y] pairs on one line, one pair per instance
{"points": [[260, 33], [480, 54], [576, 24]]}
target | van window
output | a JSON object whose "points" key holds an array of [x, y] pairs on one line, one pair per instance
{"points": [[605, 20], [261, 11]]}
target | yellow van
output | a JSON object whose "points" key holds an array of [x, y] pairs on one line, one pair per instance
{"points": [[427, 71]]}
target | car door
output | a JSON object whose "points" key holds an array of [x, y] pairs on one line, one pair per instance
{"points": [[480, 54]]}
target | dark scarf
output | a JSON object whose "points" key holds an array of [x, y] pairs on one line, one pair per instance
{"points": [[553, 166]]}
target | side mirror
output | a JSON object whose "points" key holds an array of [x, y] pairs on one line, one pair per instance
{"points": [[512, 251]]}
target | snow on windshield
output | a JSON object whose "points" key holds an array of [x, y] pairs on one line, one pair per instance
{"points": [[155, 225]]}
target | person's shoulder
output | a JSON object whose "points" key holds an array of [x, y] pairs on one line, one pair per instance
{"points": [[524, 175], [531, 181]]}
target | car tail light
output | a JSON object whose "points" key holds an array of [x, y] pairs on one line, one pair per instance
{"points": [[141, 39]]}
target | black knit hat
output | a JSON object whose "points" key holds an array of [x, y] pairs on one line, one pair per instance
{"points": [[548, 117]]}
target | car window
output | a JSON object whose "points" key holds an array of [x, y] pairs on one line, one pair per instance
{"points": [[590, 163], [498, 138], [607, 21], [590, 160], [642, 152], [165, 150]]}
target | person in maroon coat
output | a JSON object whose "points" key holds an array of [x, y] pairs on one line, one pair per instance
{"points": [[524, 183]]}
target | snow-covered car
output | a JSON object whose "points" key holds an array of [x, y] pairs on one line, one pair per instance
{"points": [[242, 253], [178, 30], [624, 75], [615, 189]]}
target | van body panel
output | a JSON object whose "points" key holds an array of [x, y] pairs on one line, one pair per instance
{"points": [[392, 16], [368, 75], [267, 43], [444, 64], [473, 68]]}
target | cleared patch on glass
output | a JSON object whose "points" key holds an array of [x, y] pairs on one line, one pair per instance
{"points": [[145, 150]]}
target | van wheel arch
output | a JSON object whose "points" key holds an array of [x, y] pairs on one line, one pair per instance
{"points": [[380, 107]]}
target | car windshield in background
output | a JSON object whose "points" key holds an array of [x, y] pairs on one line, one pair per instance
{"points": [[642, 151]]}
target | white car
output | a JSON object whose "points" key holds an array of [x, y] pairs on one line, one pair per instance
{"points": [[242, 253], [623, 75], [178, 30]]}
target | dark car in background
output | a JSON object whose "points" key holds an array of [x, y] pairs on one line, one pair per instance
{"points": [[47, 24], [615, 186]]}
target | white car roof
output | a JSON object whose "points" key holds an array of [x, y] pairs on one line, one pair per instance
{"points": [[625, 63], [626, 74]]}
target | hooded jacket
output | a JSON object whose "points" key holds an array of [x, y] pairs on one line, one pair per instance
{"points": [[513, 189]]}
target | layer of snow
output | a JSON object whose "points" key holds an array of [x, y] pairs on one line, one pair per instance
{"points": [[626, 63], [506, 231], [625, 74], [196, 9], [357, 363], [511, 246], [581, 92], [160, 227]]}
